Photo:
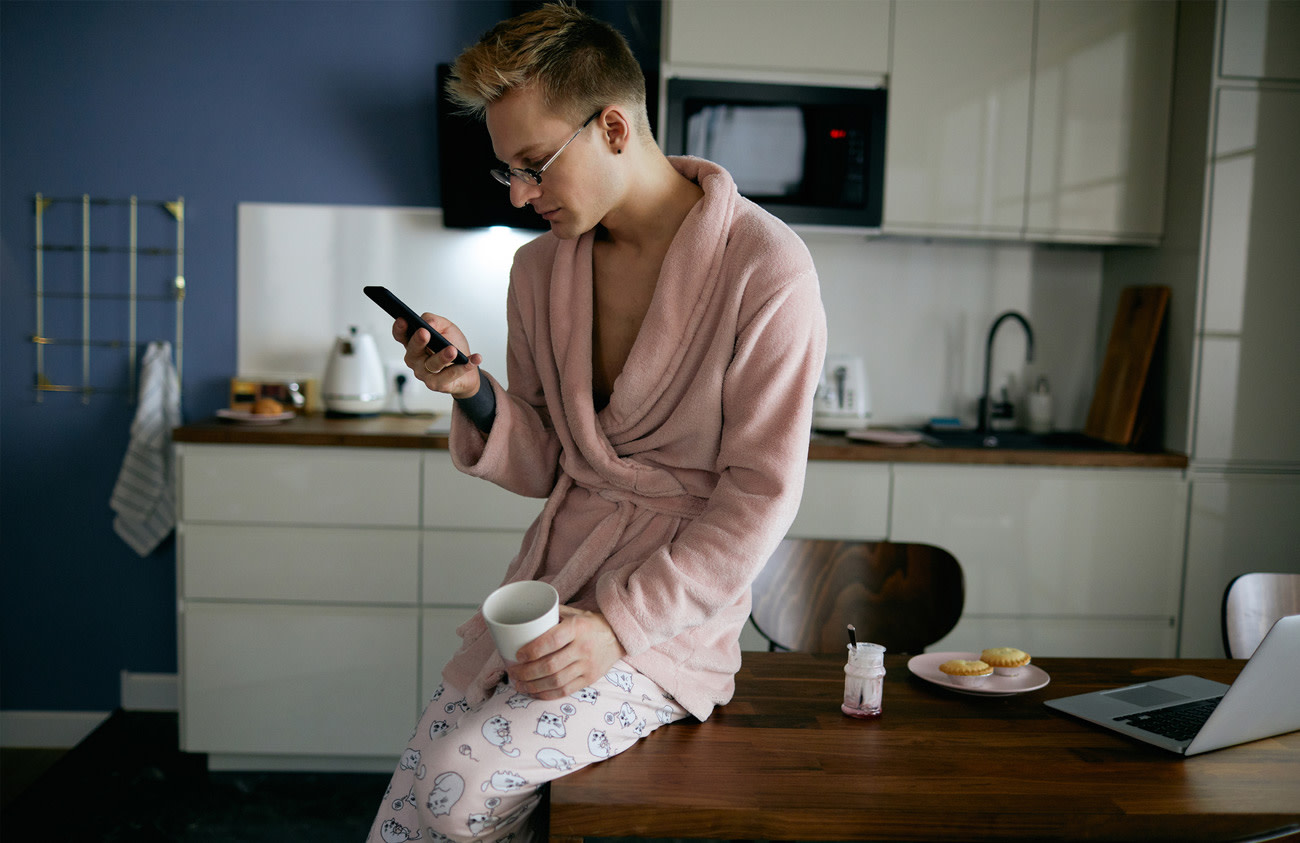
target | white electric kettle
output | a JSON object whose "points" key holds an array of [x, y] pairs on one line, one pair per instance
{"points": [[355, 384]]}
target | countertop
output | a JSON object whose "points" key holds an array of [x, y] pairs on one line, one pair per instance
{"points": [[412, 432]]}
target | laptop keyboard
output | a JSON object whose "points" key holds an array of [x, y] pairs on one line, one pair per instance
{"points": [[1178, 722]]}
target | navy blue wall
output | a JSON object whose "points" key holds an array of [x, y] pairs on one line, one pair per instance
{"points": [[219, 102]]}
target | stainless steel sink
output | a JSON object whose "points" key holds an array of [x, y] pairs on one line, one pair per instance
{"points": [[1016, 440]]}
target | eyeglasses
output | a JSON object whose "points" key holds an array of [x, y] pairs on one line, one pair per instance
{"points": [[527, 174]]}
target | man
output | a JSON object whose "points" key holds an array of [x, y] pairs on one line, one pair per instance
{"points": [[665, 341]]}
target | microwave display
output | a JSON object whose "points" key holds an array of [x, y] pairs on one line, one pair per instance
{"points": [[808, 154]]}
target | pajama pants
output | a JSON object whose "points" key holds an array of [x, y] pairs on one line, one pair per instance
{"points": [[475, 774]]}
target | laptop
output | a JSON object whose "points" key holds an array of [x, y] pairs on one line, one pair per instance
{"points": [[1189, 715]]}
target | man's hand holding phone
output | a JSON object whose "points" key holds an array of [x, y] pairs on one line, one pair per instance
{"points": [[435, 359], [439, 370]]}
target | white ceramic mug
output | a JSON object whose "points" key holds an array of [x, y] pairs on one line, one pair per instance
{"points": [[519, 612]]}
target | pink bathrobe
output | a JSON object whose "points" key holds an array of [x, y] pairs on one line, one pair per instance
{"points": [[661, 508]]}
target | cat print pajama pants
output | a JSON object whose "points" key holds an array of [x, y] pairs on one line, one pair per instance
{"points": [[474, 774]]}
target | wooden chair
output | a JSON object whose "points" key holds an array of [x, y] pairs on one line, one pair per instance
{"points": [[1252, 603], [903, 596]]}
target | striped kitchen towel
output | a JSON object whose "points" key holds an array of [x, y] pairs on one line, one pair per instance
{"points": [[143, 497]]}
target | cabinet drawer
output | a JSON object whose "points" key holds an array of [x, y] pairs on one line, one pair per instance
{"points": [[331, 486], [1037, 541], [440, 643], [298, 680], [1099, 637], [461, 567], [323, 564], [456, 500], [843, 500]]}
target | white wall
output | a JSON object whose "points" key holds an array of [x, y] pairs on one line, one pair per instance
{"points": [[302, 267], [918, 311]]}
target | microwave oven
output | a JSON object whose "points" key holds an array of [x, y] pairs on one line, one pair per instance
{"points": [[810, 154]]}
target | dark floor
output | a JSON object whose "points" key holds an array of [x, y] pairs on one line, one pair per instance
{"points": [[19, 767], [127, 781]]}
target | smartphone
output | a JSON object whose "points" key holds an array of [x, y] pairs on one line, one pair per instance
{"points": [[397, 309]]}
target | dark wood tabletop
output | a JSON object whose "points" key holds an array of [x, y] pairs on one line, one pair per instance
{"points": [[780, 762]]}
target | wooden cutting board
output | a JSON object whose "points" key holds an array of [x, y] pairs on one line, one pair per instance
{"points": [[1114, 409]]}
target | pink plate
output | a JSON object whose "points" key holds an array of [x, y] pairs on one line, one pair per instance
{"points": [[246, 417], [926, 666]]}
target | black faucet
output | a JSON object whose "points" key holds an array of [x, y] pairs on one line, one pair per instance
{"points": [[986, 403]]}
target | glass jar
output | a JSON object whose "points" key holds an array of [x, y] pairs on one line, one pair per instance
{"points": [[864, 680]]}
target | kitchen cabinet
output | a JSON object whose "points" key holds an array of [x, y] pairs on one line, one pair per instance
{"points": [[1099, 134], [774, 37], [471, 531], [320, 588], [1238, 523], [1029, 120], [1246, 482], [1259, 40], [1230, 251], [297, 563], [844, 500], [958, 124], [320, 591], [263, 680], [298, 611], [300, 485], [1248, 384], [1059, 562], [1041, 120]]}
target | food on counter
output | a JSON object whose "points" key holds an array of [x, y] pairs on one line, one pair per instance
{"points": [[267, 407], [1005, 661], [966, 671]]}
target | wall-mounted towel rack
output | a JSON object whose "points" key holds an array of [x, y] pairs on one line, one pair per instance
{"points": [[169, 288]]}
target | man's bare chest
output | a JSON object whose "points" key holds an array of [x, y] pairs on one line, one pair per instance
{"points": [[622, 293]]}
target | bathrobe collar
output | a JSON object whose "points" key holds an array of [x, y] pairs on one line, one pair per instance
{"points": [[687, 281]]}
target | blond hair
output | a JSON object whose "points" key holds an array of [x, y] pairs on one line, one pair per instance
{"points": [[579, 63]]}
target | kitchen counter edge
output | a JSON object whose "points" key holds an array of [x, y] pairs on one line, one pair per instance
{"points": [[413, 432]]}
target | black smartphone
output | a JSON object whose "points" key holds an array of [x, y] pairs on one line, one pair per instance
{"points": [[397, 309]]}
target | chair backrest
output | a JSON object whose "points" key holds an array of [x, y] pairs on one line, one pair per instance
{"points": [[1252, 603], [902, 596]]}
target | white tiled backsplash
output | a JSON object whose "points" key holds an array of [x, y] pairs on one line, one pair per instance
{"points": [[916, 310]]}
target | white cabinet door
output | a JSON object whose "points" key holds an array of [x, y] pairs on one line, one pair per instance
{"points": [[843, 500], [298, 680], [958, 127], [263, 484], [776, 36], [1041, 545], [1238, 524], [1066, 637], [306, 564], [438, 643], [461, 567], [1248, 393], [1260, 39], [457, 501], [1103, 74]]}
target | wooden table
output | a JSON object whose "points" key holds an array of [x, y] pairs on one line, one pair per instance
{"points": [[780, 762]]}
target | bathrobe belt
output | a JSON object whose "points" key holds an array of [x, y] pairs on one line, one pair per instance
{"points": [[599, 544]]}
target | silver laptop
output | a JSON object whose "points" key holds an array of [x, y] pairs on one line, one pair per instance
{"points": [[1190, 715]]}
